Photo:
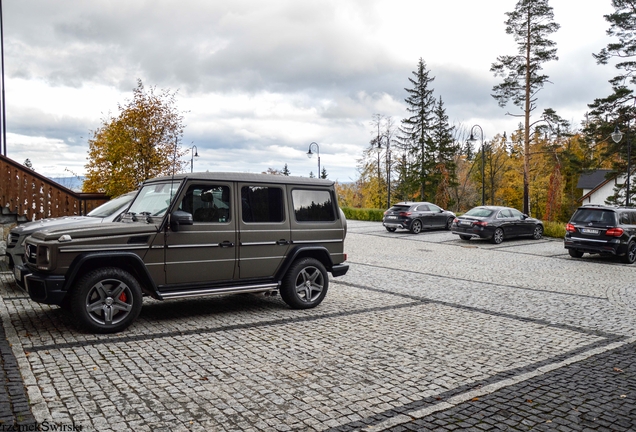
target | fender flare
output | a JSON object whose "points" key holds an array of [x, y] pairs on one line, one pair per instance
{"points": [[145, 280], [318, 252]]}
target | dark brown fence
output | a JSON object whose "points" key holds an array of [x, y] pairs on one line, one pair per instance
{"points": [[29, 194]]}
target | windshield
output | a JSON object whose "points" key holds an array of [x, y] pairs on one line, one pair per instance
{"points": [[111, 207], [479, 212], [154, 199]]}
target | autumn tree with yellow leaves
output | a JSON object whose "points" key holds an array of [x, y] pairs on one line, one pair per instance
{"points": [[141, 142]]}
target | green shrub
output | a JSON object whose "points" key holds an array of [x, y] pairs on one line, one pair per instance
{"points": [[554, 229], [363, 214]]}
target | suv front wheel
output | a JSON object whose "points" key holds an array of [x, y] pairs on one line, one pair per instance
{"points": [[305, 284], [106, 300]]}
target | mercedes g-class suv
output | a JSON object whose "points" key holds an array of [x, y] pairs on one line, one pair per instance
{"points": [[194, 235]]}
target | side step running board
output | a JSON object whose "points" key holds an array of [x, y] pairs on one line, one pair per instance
{"points": [[218, 291]]}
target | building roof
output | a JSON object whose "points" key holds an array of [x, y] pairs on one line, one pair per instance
{"points": [[592, 179]]}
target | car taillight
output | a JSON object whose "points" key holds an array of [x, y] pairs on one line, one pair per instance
{"points": [[570, 228], [481, 223], [385, 212], [614, 232], [455, 220], [405, 214]]}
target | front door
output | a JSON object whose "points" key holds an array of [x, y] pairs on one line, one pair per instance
{"points": [[204, 252], [264, 229]]}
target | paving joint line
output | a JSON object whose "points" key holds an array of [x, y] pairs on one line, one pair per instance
{"points": [[444, 401], [478, 282]]}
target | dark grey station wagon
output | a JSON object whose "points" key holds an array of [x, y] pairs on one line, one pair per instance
{"points": [[194, 235]]}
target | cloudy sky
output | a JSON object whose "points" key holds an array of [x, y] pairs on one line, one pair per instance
{"points": [[261, 80]]}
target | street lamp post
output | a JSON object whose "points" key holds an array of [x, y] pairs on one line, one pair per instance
{"points": [[310, 154], [193, 153], [472, 140], [616, 137]]}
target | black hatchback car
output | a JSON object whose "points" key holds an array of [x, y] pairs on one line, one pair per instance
{"points": [[496, 223], [415, 216], [605, 230]]}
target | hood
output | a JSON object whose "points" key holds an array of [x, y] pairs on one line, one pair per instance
{"points": [[109, 229], [31, 227]]}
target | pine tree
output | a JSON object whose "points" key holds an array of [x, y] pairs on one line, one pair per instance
{"points": [[531, 23], [415, 131], [286, 171], [323, 173]]}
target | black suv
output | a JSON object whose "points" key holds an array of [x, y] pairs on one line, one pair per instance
{"points": [[415, 216], [605, 230]]}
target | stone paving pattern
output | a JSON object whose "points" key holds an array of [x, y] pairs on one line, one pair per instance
{"points": [[425, 332]]}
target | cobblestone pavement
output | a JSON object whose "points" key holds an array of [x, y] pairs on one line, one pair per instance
{"points": [[425, 332]]}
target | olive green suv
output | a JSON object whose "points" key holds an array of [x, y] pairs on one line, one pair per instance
{"points": [[194, 235]]}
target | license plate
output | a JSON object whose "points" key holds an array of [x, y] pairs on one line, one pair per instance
{"points": [[589, 231], [391, 217], [465, 223], [17, 273]]}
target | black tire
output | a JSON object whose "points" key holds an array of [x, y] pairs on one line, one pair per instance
{"points": [[416, 226], [498, 236], [106, 300], [630, 255], [389, 229], [449, 223], [537, 234], [575, 253], [464, 237], [305, 284]]}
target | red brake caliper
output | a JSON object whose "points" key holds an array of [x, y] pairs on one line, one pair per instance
{"points": [[123, 297]]}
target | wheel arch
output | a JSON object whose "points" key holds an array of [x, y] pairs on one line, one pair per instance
{"points": [[318, 252], [126, 261]]}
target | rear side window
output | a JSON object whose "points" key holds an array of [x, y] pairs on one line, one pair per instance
{"points": [[262, 204], [422, 208], [313, 206], [594, 216]]}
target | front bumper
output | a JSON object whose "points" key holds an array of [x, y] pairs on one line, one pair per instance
{"points": [[20, 271], [592, 246], [47, 289]]}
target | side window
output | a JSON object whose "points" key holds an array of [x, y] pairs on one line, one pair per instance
{"points": [[503, 214], [262, 204], [632, 218], [516, 214], [422, 207], [434, 208], [207, 203], [624, 218], [313, 206]]}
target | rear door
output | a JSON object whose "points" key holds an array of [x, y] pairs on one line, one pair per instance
{"points": [[264, 229]]}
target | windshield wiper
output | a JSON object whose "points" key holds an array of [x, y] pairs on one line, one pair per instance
{"points": [[133, 216]]}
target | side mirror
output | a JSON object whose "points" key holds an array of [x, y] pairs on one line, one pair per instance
{"points": [[179, 217], [525, 216]]}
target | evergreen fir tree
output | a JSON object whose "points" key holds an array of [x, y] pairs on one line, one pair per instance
{"points": [[286, 171], [323, 173], [444, 149], [415, 131]]}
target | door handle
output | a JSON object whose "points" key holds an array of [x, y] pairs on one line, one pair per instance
{"points": [[226, 244], [282, 242]]}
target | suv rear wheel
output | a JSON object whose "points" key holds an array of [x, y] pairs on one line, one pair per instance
{"points": [[575, 253], [305, 284], [106, 300], [630, 256]]}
